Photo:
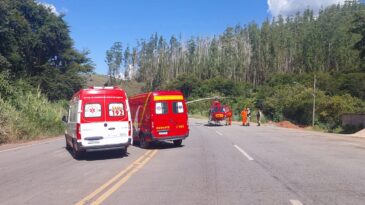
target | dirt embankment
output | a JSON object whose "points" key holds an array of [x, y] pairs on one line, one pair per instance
{"points": [[285, 124], [360, 133]]}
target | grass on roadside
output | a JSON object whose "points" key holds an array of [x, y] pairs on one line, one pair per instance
{"points": [[26, 114]]}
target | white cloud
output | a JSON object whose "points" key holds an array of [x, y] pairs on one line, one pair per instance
{"points": [[50, 7], [290, 7], [64, 10]]}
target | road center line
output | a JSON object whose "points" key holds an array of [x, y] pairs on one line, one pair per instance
{"points": [[117, 185], [295, 202], [219, 133], [243, 152], [115, 178]]}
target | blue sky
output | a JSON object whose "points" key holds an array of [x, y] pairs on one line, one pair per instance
{"points": [[96, 24]]}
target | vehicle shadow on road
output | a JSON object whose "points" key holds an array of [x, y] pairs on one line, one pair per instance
{"points": [[100, 155], [213, 125], [198, 124], [161, 145]]}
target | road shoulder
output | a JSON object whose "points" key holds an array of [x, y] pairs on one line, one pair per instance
{"points": [[18, 145]]}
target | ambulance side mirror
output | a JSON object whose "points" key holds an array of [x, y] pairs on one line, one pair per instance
{"points": [[64, 119]]}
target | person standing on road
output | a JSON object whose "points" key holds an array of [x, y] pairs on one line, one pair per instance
{"points": [[258, 117], [248, 116], [228, 115], [244, 116]]}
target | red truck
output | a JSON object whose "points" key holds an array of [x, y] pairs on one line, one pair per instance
{"points": [[159, 116]]}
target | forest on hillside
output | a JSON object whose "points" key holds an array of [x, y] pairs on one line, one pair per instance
{"points": [[271, 65], [303, 43]]}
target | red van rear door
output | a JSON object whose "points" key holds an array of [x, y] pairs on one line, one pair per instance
{"points": [[161, 118], [179, 118], [170, 118]]}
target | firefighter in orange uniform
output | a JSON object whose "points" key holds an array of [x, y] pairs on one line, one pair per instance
{"points": [[228, 115], [244, 116]]}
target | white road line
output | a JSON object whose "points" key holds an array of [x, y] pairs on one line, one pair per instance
{"points": [[295, 202], [219, 133], [351, 144], [25, 146], [243, 152]]}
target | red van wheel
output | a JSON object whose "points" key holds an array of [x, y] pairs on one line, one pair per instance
{"points": [[68, 147], [177, 143], [143, 143], [124, 151]]}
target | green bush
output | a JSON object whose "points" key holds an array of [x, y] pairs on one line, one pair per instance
{"points": [[331, 110], [292, 102], [295, 103], [8, 121], [25, 113]]}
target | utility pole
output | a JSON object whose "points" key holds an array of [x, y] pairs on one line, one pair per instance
{"points": [[314, 100]]}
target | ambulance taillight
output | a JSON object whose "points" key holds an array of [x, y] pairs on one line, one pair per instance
{"points": [[129, 128], [78, 132]]}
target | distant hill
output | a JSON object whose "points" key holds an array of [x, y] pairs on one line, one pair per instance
{"points": [[131, 87], [96, 80]]}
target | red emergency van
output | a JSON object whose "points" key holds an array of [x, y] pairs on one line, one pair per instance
{"points": [[159, 116], [98, 119]]}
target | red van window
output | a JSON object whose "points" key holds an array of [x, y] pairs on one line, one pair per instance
{"points": [[161, 108], [116, 109], [177, 107], [92, 110]]}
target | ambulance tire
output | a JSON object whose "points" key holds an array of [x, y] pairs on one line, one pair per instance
{"points": [[68, 147], [77, 154], [124, 151], [177, 143], [143, 143]]}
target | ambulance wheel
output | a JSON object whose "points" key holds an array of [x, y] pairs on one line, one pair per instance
{"points": [[68, 147], [124, 151], [177, 143], [143, 143], [76, 153]]}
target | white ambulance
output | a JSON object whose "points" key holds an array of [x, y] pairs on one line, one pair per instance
{"points": [[98, 119]]}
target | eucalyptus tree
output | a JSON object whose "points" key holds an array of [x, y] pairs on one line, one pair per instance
{"points": [[114, 58]]}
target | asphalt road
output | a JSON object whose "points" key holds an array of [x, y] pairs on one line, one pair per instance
{"points": [[215, 165]]}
